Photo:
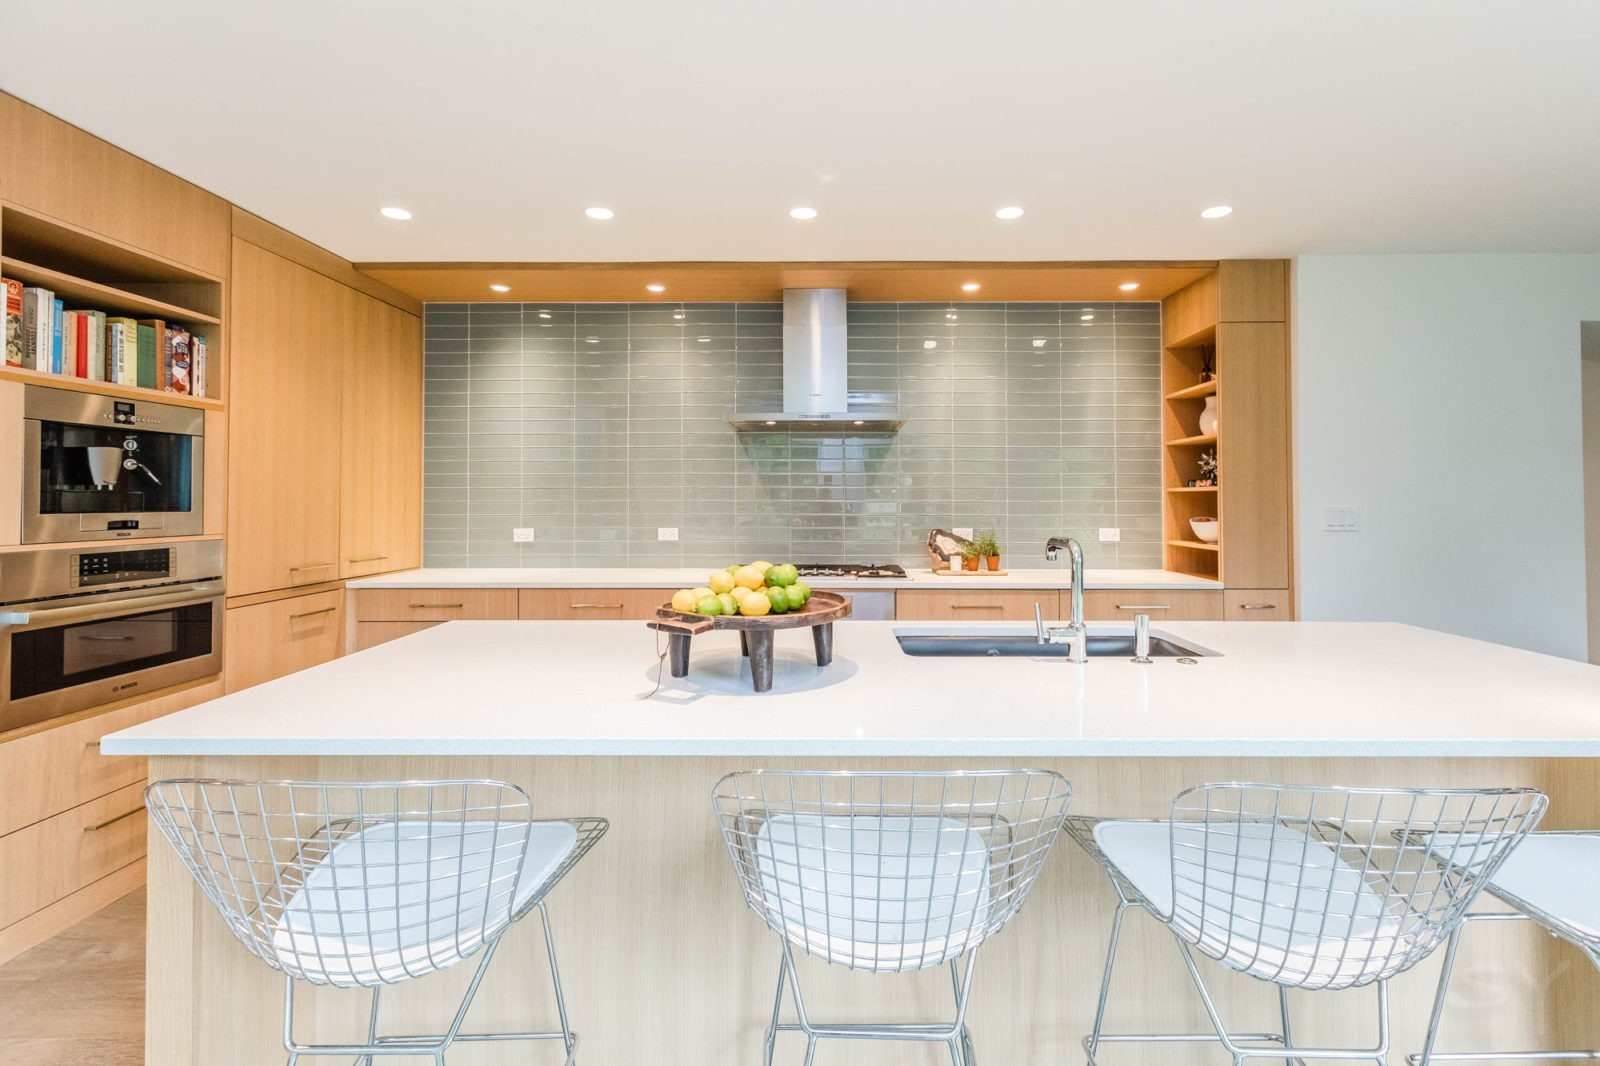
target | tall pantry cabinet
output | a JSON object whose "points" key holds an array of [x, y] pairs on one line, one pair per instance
{"points": [[325, 463]]}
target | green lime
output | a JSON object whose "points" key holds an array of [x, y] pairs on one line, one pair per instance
{"points": [[708, 605], [795, 597], [772, 578], [729, 604], [779, 600], [788, 574], [805, 590]]}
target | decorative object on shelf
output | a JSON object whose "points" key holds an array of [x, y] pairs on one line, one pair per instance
{"points": [[944, 548], [1207, 366], [1210, 474], [989, 548], [969, 556], [1208, 417], [1205, 528]]}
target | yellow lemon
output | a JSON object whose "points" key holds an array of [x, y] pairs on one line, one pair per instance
{"points": [[721, 582], [754, 606], [702, 592], [762, 566], [749, 577], [685, 600], [739, 592]]}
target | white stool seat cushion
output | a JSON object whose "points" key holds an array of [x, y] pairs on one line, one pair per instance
{"points": [[1557, 873], [877, 893], [400, 900], [1262, 898]]}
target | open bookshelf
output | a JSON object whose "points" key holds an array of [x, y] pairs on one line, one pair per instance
{"points": [[1189, 350], [88, 271]]}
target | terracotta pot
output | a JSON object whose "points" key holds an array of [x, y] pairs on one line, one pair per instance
{"points": [[969, 562], [994, 563]]}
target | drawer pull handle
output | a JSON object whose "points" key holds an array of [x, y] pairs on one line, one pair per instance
{"points": [[1258, 607], [370, 559], [1144, 606], [309, 614], [309, 566], [105, 640], [437, 606], [975, 607], [597, 607], [112, 821], [93, 745]]}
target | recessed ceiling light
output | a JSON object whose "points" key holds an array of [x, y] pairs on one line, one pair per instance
{"points": [[1008, 213], [1220, 211], [1128, 286], [399, 214], [601, 213], [803, 213], [930, 344], [971, 286], [656, 288], [500, 288]]}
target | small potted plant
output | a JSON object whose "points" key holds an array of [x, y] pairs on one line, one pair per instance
{"points": [[989, 548], [969, 557]]}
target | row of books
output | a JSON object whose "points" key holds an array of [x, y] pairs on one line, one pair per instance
{"points": [[42, 334]]}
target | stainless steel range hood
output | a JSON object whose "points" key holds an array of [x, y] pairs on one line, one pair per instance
{"points": [[816, 363]]}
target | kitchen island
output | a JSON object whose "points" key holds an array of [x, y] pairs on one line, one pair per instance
{"points": [[661, 961]]}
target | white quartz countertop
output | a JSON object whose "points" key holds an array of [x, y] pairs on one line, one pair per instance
{"points": [[689, 577], [1271, 689]]}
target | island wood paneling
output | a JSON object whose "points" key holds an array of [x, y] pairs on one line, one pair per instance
{"points": [[662, 961]]}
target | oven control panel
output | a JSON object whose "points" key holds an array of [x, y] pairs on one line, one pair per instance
{"points": [[121, 567]]}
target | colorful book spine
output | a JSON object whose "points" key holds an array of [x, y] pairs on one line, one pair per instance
{"points": [[58, 313], [202, 383], [123, 342], [179, 361], [36, 304], [69, 343], [82, 325], [152, 337], [97, 345], [14, 342]]}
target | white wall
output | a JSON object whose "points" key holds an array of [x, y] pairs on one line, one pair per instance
{"points": [[1591, 478], [1441, 395]]}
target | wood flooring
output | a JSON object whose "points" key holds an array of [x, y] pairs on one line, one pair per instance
{"points": [[79, 997]]}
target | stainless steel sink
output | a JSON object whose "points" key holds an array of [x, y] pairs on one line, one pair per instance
{"points": [[964, 643]]}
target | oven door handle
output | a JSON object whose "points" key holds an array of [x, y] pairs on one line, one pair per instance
{"points": [[92, 612]]}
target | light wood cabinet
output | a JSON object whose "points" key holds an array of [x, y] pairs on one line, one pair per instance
{"points": [[975, 605], [590, 605], [1162, 605], [52, 859], [434, 605], [371, 634], [284, 436], [380, 499], [1258, 605], [268, 640], [1254, 454]]}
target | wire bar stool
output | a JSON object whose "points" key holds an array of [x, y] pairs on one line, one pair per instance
{"points": [[363, 885], [1550, 879], [887, 873], [1310, 888]]}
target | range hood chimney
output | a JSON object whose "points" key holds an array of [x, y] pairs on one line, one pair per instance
{"points": [[816, 365]]}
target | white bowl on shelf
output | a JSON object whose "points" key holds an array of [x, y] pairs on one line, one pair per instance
{"points": [[1206, 529]]}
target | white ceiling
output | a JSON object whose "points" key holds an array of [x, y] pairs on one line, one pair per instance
{"points": [[1358, 125]]}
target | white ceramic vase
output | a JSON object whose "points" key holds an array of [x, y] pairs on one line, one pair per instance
{"points": [[1208, 417]]}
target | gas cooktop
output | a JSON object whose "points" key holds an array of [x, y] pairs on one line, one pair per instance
{"points": [[850, 570]]}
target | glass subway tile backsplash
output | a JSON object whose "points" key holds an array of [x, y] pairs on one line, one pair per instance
{"points": [[598, 424]]}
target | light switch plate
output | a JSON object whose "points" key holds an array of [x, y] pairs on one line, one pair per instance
{"points": [[522, 535], [963, 531], [666, 532], [1110, 536], [1340, 520]]}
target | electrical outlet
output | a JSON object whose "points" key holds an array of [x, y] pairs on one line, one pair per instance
{"points": [[1340, 520], [522, 535], [1110, 536], [666, 532], [963, 531]]}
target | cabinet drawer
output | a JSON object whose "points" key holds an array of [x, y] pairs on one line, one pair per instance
{"points": [[54, 858], [435, 605], [371, 634], [1162, 605], [1258, 605], [45, 773], [977, 605], [268, 640], [590, 604]]}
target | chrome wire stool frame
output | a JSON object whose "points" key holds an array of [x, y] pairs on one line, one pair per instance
{"points": [[362, 885], [1520, 885], [887, 873], [1307, 888]]}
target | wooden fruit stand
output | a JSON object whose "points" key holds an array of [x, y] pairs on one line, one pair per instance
{"points": [[755, 634]]}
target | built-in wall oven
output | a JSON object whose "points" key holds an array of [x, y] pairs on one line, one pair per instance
{"points": [[81, 628], [100, 468]]}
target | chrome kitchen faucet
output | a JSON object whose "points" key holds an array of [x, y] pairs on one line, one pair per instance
{"points": [[1076, 633]]}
